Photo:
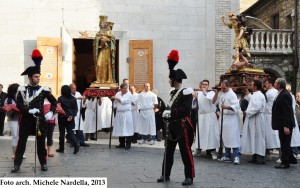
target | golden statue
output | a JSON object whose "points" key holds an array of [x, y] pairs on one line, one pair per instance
{"points": [[237, 23], [104, 53]]}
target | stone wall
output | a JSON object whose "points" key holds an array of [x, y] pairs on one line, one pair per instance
{"points": [[224, 37], [190, 26], [277, 64], [284, 8], [272, 7]]}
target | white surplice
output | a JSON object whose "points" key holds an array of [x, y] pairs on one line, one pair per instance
{"points": [[209, 129], [123, 125], [79, 106], [90, 116], [146, 102], [272, 137], [104, 113], [295, 141], [135, 112], [231, 119], [254, 130]]}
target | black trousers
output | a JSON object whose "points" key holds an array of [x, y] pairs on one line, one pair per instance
{"points": [[50, 129], [123, 139], [186, 134], [79, 134], [2, 118], [285, 144], [69, 126], [194, 119], [27, 124]]}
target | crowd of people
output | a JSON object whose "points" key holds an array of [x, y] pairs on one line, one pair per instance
{"points": [[271, 116], [270, 122]]}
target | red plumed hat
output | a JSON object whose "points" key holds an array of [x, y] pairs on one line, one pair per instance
{"points": [[173, 59], [36, 57], [173, 55], [178, 74]]}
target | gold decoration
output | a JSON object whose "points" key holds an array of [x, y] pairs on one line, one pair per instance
{"points": [[103, 18]]}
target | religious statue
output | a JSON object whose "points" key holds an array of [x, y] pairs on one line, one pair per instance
{"points": [[104, 53], [241, 39]]}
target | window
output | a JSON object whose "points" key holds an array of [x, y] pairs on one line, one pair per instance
{"points": [[275, 21], [288, 22]]}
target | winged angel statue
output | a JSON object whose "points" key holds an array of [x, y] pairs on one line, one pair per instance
{"points": [[242, 26]]}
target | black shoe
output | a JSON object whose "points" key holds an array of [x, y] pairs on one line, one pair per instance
{"points": [[15, 169], [84, 145], [252, 161], [161, 179], [44, 167], [260, 162], [120, 146], [187, 181], [127, 148], [76, 149], [1, 134], [282, 166], [293, 160], [60, 150], [93, 139]]}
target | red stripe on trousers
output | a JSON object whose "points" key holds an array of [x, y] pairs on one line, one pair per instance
{"points": [[188, 149]]}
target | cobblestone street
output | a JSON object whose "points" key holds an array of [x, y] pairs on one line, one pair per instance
{"points": [[141, 166]]}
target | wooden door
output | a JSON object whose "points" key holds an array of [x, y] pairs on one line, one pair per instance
{"points": [[51, 67], [141, 63]]}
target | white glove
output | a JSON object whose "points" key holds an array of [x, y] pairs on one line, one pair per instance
{"points": [[166, 113], [49, 115], [34, 111]]}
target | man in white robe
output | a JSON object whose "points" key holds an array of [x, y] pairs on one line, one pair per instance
{"points": [[90, 117], [135, 113], [253, 136], [147, 101], [208, 127], [295, 141], [104, 112], [79, 127], [229, 104], [123, 126], [272, 138]]}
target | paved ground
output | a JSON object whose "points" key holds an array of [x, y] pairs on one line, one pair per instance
{"points": [[141, 166]]}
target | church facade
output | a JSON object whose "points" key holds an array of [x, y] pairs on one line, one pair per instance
{"points": [[192, 27]]}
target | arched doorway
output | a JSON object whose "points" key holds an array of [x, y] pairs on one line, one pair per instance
{"points": [[272, 73]]}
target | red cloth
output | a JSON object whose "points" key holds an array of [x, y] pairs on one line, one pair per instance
{"points": [[59, 109], [10, 107]]}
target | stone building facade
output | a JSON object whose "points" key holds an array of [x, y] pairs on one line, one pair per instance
{"points": [[193, 27], [280, 16]]}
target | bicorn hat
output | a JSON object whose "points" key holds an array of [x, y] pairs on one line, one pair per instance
{"points": [[172, 60], [37, 59]]}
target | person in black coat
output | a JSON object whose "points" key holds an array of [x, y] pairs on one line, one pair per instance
{"points": [[180, 128], [30, 102], [283, 120], [66, 122], [3, 96], [158, 117]]}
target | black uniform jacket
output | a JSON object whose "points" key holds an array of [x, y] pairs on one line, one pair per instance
{"points": [[37, 102], [282, 111]]}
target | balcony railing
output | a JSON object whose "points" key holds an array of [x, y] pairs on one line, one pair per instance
{"points": [[272, 41]]}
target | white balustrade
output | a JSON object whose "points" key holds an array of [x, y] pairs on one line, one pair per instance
{"points": [[271, 41]]}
